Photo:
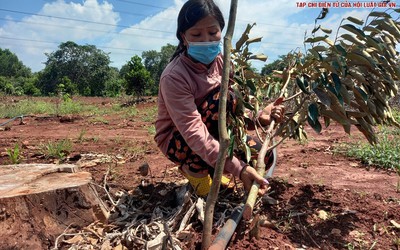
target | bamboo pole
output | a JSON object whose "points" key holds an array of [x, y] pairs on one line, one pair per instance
{"points": [[223, 134]]}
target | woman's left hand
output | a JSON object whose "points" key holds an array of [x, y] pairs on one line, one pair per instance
{"points": [[274, 111], [249, 175]]}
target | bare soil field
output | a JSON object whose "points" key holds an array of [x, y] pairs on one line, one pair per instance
{"points": [[324, 200]]}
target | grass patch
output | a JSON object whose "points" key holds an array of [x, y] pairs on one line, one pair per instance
{"points": [[57, 150], [48, 106], [25, 107], [151, 130], [385, 154], [129, 112], [98, 120], [149, 114]]}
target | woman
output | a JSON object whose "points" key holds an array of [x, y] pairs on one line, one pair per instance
{"points": [[187, 123]]}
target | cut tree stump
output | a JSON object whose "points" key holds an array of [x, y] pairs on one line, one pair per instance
{"points": [[39, 201]]}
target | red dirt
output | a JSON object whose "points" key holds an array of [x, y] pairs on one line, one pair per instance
{"points": [[310, 181]]}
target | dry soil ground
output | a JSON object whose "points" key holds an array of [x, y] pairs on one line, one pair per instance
{"points": [[325, 201]]}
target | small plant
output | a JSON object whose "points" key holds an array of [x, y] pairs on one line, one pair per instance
{"points": [[81, 135], [95, 139], [150, 114], [99, 120], [14, 154], [151, 130], [130, 112], [396, 242], [58, 150]]}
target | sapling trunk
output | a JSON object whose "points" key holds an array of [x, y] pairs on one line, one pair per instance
{"points": [[223, 134], [252, 197]]}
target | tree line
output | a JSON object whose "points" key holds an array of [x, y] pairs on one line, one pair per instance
{"points": [[85, 70]]}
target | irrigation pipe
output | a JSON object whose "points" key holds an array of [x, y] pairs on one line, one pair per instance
{"points": [[20, 117], [224, 236]]}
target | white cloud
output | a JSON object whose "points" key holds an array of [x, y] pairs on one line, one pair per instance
{"points": [[280, 23], [37, 34], [150, 34]]}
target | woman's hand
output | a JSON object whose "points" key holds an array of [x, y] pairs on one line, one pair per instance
{"points": [[274, 111], [249, 175]]}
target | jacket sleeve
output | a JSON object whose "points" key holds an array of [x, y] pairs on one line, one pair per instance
{"points": [[180, 104]]}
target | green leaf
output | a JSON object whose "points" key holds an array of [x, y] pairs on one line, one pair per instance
{"points": [[327, 31], [367, 130], [248, 105], [260, 57], [315, 125], [337, 82], [315, 54], [345, 94], [313, 112], [315, 29], [319, 48], [327, 121], [338, 118], [352, 39], [355, 20], [300, 83], [358, 59], [244, 37], [362, 93], [231, 147], [372, 29], [341, 49], [250, 83], [323, 96], [351, 28], [253, 40], [380, 14], [374, 43], [312, 117], [315, 39], [329, 42]]}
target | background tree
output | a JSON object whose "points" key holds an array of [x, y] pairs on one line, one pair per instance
{"points": [[137, 78], [86, 67], [11, 66], [114, 85], [278, 64], [155, 62], [15, 76]]}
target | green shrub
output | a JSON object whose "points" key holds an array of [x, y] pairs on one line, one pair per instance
{"points": [[58, 150]]}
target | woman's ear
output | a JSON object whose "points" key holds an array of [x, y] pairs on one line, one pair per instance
{"points": [[183, 39]]}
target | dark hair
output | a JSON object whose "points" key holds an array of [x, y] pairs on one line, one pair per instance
{"points": [[192, 12]]}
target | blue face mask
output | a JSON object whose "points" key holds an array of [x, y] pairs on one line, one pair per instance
{"points": [[204, 52]]}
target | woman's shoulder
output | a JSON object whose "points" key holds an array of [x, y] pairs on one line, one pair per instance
{"points": [[173, 68]]}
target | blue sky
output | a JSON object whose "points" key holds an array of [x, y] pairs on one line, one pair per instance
{"points": [[123, 28]]}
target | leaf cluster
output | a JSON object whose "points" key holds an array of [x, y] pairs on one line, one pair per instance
{"points": [[348, 79]]}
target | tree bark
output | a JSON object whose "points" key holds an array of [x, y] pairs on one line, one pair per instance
{"points": [[223, 134]]}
